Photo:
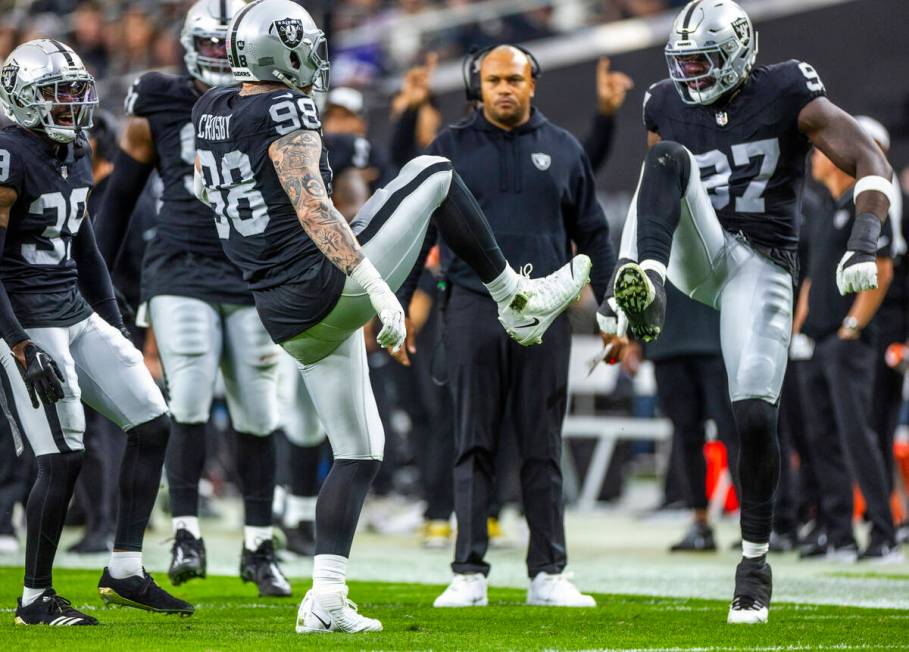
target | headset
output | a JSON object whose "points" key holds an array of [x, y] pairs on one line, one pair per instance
{"points": [[470, 69]]}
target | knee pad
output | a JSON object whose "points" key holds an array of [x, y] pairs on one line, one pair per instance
{"points": [[670, 158]]}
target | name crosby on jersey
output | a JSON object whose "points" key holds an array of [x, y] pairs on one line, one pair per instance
{"points": [[214, 127]]}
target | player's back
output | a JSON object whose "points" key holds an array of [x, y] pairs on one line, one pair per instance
{"points": [[749, 149]]}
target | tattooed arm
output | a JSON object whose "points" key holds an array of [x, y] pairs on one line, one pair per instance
{"points": [[296, 160]]}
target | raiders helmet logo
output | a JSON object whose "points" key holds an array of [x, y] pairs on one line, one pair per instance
{"points": [[8, 76], [290, 31], [742, 30], [541, 161]]}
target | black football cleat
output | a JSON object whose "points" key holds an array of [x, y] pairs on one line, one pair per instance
{"points": [[51, 609], [141, 592], [882, 553], [698, 538], [261, 567], [783, 541], [753, 588], [301, 540], [92, 543], [187, 558], [641, 296]]}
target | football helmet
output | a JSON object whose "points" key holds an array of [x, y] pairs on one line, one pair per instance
{"points": [[44, 86], [204, 37], [277, 40], [711, 50]]}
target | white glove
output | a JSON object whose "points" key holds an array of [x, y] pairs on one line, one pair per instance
{"points": [[385, 303], [615, 322], [199, 189], [856, 272]]}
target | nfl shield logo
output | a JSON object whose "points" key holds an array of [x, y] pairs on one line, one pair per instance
{"points": [[8, 76], [541, 161], [290, 31], [722, 118]]}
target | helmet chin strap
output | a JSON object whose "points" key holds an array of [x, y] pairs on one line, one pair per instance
{"points": [[284, 79]]}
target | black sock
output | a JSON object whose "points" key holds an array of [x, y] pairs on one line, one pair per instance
{"points": [[256, 468], [666, 172], [45, 513], [304, 469], [140, 478], [339, 504], [464, 228], [759, 466], [185, 463]]}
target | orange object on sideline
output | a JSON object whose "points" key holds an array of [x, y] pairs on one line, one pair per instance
{"points": [[717, 462]]}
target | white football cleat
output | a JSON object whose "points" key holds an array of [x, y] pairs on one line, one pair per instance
{"points": [[465, 590], [540, 300], [747, 613], [331, 611], [556, 590]]}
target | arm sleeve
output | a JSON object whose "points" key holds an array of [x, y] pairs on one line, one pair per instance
{"points": [[10, 328], [599, 140], [126, 184], [94, 279], [403, 145], [586, 224]]}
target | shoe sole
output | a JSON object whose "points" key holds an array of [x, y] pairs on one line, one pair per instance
{"points": [[747, 617], [111, 597], [267, 594], [482, 603], [634, 294], [535, 336], [543, 603], [184, 575], [319, 630]]}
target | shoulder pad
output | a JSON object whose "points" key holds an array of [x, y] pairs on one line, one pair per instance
{"points": [[148, 91]]}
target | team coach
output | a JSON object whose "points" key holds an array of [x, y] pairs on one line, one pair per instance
{"points": [[535, 185]]}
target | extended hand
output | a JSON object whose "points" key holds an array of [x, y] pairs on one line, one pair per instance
{"points": [[612, 87]]}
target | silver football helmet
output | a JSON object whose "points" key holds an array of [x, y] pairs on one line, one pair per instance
{"points": [[44, 86], [204, 37], [711, 50], [277, 40]]}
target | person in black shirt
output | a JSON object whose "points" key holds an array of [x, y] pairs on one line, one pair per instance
{"points": [[839, 378]]}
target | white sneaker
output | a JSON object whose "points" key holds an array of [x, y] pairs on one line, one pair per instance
{"points": [[540, 300], [465, 590], [556, 590], [331, 611]]}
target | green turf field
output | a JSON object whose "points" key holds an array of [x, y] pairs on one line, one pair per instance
{"points": [[228, 617]]}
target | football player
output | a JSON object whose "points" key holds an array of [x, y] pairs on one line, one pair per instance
{"points": [[63, 336], [199, 306], [261, 163], [715, 212]]}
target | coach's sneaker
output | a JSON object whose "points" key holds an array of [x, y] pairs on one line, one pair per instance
{"points": [[331, 611], [141, 592], [641, 296], [698, 538], [465, 590], [187, 558], [261, 566], [753, 587], [540, 300], [556, 590], [51, 609]]}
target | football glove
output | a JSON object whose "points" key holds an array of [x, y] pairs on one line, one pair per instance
{"points": [[42, 376], [857, 270], [385, 303]]}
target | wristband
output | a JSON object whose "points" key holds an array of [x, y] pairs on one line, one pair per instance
{"points": [[866, 229], [876, 183]]}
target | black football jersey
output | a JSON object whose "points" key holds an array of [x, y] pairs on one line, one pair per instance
{"points": [[750, 151], [256, 221], [53, 183]]}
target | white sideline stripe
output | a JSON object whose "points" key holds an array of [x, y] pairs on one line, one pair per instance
{"points": [[773, 648], [619, 37]]}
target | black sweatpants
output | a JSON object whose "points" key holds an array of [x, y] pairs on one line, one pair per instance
{"points": [[495, 381], [837, 387], [887, 397], [690, 390], [16, 476]]}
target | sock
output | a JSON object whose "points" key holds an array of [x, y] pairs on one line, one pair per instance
{"points": [[185, 463], [188, 523], [254, 536], [340, 502], [504, 286], [299, 508], [125, 563], [45, 512], [140, 479], [656, 266], [328, 572], [256, 469], [664, 182], [30, 595], [465, 230], [754, 550], [759, 466]]}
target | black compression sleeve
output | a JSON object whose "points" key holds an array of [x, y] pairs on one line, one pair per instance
{"points": [[599, 140], [94, 279], [10, 328], [126, 184]]}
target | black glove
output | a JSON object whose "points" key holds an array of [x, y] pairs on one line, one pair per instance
{"points": [[42, 376]]}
